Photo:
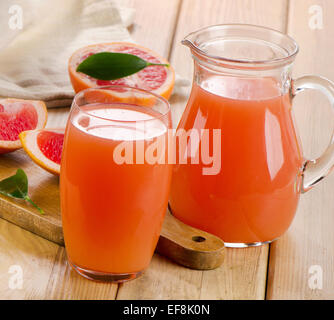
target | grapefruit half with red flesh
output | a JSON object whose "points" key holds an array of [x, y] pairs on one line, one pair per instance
{"points": [[18, 115], [157, 79], [44, 147]]}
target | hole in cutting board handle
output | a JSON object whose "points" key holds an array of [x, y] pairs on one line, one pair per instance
{"points": [[198, 239], [188, 246]]}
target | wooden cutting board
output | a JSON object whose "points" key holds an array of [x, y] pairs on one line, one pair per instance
{"points": [[183, 244]]}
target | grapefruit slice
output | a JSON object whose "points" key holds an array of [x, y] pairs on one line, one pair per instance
{"points": [[18, 115], [44, 147], [157, 79]]}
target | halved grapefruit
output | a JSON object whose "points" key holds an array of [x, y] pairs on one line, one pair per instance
{"points": [[18, 115], [157, 79], [44, 147]]}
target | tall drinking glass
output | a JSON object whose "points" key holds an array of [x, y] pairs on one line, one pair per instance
{"points": [[114, 181]]}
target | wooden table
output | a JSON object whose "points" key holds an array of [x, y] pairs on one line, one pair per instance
{"points": [[281, 270]]}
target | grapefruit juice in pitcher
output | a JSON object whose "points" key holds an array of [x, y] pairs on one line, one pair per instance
{"points": [[243, 87]]}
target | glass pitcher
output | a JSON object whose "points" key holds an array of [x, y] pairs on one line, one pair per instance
{"points": [[241, 102]]}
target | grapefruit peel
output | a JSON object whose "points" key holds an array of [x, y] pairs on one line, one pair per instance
{"points": [[29, 141]]}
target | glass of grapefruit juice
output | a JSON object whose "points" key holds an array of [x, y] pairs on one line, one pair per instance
{"points": [[243, 87], [114, 181]]}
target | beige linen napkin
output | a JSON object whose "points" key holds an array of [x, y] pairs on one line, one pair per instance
{"points": [[33, 60]]}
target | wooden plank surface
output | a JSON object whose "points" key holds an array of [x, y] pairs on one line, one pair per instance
{"points": [[26, 263], [66, 284], [154, 23], [243, 274], [308, 247]]}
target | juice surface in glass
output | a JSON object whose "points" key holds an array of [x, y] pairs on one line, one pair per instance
{"points": [[254, 196], [112, 213]]}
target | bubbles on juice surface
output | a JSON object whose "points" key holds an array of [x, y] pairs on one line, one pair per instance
{"points": [[119, 122], [239, 88]]}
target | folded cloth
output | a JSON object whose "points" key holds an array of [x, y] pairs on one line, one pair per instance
{"points": [[33, 59]]}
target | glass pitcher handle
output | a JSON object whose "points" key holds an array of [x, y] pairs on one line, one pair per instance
{"points": [[317, 169]]}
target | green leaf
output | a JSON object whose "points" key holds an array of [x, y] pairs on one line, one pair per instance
{"points": [[16, 186], [113, 65]]}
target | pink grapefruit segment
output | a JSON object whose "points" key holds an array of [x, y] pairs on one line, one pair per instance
{"points": [[158, 79], [44, 147], [51, 144], [18, 115]]}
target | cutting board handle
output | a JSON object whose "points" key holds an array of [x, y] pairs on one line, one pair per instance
{"points": [[188, 246]]}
